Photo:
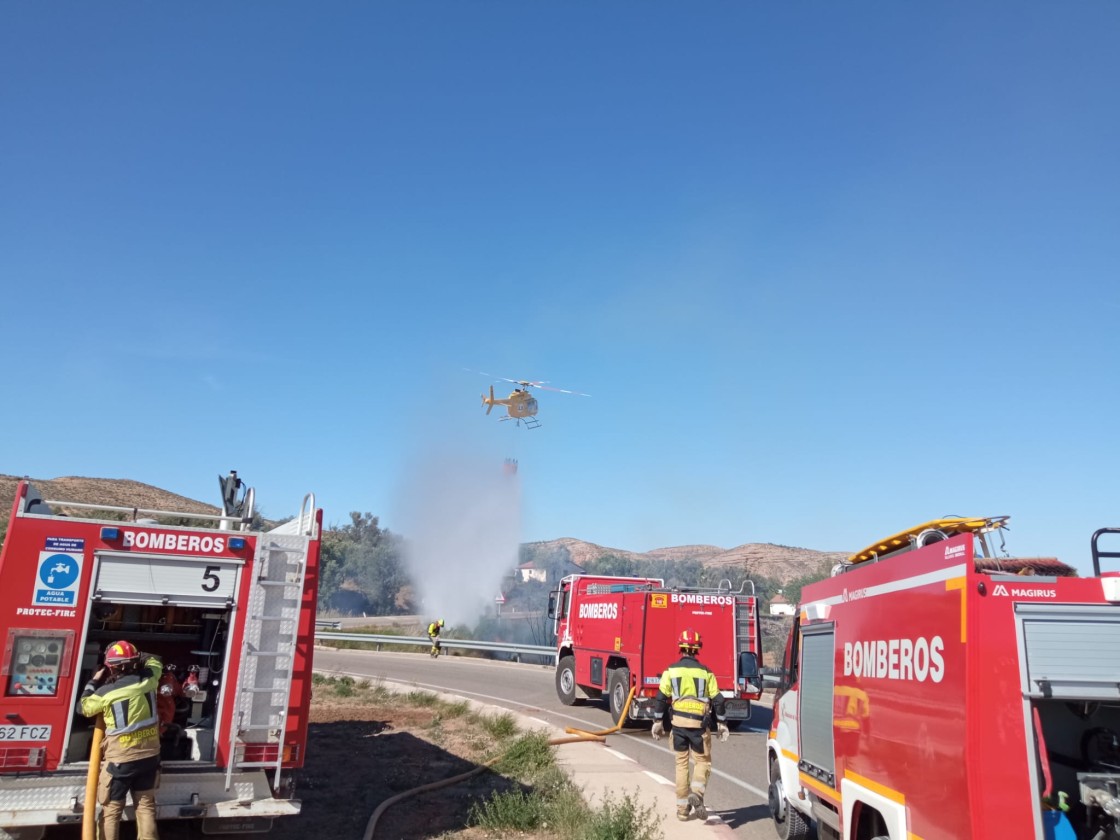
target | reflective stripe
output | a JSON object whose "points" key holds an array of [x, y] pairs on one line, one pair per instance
{"points": [[690, 705], [120, 713], [689, 687]]}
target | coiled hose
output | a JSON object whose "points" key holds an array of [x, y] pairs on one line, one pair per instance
{"points": [[578, 735]]}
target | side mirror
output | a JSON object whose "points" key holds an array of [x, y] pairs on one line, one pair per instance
{"points": [[748, 665], [748, 671], [552, 604]]}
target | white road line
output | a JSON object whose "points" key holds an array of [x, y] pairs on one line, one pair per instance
{"points": [[616, 753], [761, 794], [661, 780]]}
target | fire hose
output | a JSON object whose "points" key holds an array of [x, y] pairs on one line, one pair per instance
{"points": [[89, 821], [590, 736], [578, 736]]}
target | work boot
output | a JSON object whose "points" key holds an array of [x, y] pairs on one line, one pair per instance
{"points": [[697, 803], [682, 813]]}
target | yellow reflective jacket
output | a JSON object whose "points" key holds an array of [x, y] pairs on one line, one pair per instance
{"points": [[129, 707], [691, 690]]}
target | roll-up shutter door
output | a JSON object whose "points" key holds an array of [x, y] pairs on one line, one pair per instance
{"points": [[817, 665], [160, 579], [1072, 652]]}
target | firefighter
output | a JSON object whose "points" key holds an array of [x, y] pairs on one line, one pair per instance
{"points": [[690, 692], [124, 691], [433, 634]]}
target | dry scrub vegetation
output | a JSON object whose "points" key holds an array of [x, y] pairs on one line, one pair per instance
{"points": [[368, 744]]}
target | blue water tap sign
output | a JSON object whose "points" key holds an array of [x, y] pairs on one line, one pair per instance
{"points": [[56, 584]]}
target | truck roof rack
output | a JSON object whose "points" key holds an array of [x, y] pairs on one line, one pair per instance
{"points": [[724, 588], [1050, 566], [928, 532], [33, 504]]}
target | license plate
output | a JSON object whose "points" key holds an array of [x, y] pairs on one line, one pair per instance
{"points": [[25, 732], [738, 709]]}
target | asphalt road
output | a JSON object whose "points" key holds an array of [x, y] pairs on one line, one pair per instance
{"points": [[737, 790]]}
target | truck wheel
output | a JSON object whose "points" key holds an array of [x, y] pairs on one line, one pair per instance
{"points": [[788, 822], [618, 689], [566, 680]]}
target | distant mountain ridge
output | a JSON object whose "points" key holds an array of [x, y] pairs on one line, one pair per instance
{"points": [[779, 562]]}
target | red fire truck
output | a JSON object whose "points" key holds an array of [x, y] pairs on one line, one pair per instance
{"points": [[233, 608], [933, 688], [618, 633]]}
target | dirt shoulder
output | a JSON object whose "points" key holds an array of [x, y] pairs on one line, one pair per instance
{"points": [[360, 755]]}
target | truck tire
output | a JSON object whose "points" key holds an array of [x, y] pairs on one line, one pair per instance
{"points": [[789, 823], [566, 680], [618, 688]]}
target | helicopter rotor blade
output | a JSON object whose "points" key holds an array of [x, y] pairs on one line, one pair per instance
{"points": [[500, 378], [562, 390], [527, 383]]}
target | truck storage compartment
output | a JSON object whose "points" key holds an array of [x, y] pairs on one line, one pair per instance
{"points": [[192, 642], [1071, 655], [1081, 744]]}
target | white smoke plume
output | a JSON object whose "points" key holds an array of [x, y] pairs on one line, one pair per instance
{"points": [[461, 520]]}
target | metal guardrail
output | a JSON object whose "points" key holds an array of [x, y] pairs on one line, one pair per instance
{"points": [[424, 641], [325, 623]]}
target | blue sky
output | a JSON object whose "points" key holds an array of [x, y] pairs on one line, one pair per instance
{"points": [[826, 269]]}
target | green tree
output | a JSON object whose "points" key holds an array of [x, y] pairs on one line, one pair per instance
{"points": [[792, 589], [361, 568], [613, 564], [332, 559]]}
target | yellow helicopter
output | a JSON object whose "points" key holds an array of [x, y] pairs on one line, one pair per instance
{"points": [[521, 406]]}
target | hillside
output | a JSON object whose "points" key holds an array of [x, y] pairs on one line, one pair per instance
{"points": [[778, 562], [119, 492]]}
